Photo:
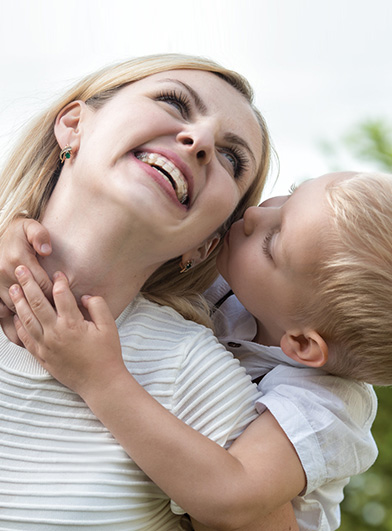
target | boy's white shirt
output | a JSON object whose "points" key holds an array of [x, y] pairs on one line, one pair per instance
{"points": [[326, 418]]}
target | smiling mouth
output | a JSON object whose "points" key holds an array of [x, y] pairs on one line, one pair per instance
{"points": [[169, 171]]}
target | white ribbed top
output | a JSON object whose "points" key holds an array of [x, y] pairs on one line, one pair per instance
{"points": [[59, 466]]}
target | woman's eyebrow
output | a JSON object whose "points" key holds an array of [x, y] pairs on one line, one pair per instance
{"points": [[201, 106]]}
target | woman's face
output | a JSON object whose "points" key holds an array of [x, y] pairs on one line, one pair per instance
{"points": [[172, 153]]}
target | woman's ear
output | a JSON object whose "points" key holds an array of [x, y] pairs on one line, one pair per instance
{"points": [[199, 254], [208, 246], [306, 347], [66, 127]]}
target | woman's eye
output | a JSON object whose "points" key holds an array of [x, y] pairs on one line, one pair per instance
{"points": [[237, 160], [177, 100], [231, 158]]}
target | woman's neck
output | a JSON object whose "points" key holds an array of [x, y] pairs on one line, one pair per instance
{"points": [[98, 257], [95, 268]]}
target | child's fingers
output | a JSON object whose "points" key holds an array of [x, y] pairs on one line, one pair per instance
{"points": [[38, 303], [99, 311], [38, 236], [42, 280], [64, 299], [25, 338], [26, 317]]}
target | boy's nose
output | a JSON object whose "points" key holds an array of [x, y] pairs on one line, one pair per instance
{"points": [[260, 217], [276, 201], [251, 219]]}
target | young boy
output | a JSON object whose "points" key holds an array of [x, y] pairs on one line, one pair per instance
{"points": [[314, 269], [323, 270]]}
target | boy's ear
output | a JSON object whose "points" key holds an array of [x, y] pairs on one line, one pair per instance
{"points": [[199, 254], [306, 347], [66, 127]]}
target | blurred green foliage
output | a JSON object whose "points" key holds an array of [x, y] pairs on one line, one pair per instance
{"points": [[368, 498], [367, 503], [371, 141], [367, 142]]}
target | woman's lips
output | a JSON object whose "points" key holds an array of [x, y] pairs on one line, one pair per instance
{"points": [[169, 171]]}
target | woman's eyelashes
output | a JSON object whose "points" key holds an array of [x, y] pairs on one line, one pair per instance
{"points": [[178, 100], [237, 159]]}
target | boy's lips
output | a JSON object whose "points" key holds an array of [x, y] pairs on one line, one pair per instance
{"points": [[169, 171]]}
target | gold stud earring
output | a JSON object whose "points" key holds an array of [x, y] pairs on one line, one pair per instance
{"points": [[186, 267], [65, 153]]}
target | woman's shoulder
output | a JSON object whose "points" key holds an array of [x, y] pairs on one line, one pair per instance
{"points": [[145, 314]]}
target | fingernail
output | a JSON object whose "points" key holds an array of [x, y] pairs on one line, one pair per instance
{"points": [[19, 271], [45, 248], [14, 289]]}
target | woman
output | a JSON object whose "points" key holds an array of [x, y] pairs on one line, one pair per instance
{"points": [[157, 157]]}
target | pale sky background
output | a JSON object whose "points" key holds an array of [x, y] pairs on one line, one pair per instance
{"points": [[317, 66]]}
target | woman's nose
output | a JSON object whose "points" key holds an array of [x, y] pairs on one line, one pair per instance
{"points": [[198, 141]]}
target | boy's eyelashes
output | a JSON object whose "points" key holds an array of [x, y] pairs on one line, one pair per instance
{"points": [[293, 188], [267, 244]]}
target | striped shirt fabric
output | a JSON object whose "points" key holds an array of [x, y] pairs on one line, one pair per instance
{"points": [[59, 466]]}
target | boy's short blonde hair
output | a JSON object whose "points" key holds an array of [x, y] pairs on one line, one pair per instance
{"points": [[352, 308]]}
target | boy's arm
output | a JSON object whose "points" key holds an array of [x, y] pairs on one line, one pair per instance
{"points": [[261, 471], [282, 519]]}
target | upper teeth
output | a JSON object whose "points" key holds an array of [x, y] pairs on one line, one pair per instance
{"points": [[162, 163]]}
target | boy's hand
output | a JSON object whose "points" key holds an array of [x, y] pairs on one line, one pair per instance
{"points": [[22, 240], [83, 355]]}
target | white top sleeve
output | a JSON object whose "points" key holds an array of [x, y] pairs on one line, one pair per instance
{"points": [[328, 421]]}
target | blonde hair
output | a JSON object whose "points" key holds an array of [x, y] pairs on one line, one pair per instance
{"points": [[352, 309], [33, 169]]}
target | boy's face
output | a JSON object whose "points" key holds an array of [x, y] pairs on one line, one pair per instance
{"points": [[268, 257]]}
